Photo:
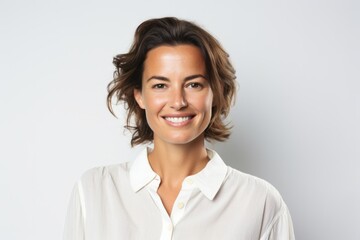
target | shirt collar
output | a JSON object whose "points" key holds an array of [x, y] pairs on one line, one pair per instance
{"points": [[208, 180], [141, 172]]}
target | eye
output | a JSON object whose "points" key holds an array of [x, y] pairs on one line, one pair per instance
{"points": [[195, 85], [159, 86]]}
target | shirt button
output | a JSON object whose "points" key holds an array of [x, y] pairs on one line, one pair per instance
{"points": [[189, 181], [180, 205]]}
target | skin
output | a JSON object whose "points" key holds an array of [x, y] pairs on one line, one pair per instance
{"points": [[174, 85]]}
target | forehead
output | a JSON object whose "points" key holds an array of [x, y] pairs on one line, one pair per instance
{"points": [[174, 58]]}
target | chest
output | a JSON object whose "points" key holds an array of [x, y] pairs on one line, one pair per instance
{"points": [[168, 197], [143, 216]]}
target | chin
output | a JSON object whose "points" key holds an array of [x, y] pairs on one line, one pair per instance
{"points": [[181, 140]]}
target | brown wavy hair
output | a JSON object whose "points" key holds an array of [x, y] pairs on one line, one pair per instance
{"points": [[129, 69]]}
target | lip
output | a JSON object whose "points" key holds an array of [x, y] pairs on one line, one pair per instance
{"points": [[178, 123]]}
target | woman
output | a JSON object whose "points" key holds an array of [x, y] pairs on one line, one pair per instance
{"points": [[178, 85]]}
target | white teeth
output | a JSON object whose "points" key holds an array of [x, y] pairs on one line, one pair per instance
{"points": [[177, 119]]}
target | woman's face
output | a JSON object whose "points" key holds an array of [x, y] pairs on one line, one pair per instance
{"points": [[175, 94]]}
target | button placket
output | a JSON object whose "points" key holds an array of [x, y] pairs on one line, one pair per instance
{"points": [[167, 226], [182, 200], [167, 230]]}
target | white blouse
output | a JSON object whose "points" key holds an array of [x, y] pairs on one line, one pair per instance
{"points": [[120, 202]]}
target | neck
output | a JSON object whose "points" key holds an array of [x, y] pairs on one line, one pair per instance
{"points": [[174, 162]]}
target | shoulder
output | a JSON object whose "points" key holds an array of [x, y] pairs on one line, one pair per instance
{"points": [[98, 176], [255, 188], [263, 198], [242, 179]]}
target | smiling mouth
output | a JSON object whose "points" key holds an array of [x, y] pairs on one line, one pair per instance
{"points": [[178, 119]]}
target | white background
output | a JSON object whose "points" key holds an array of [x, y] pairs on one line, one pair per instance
{"points": [[296, 119]]}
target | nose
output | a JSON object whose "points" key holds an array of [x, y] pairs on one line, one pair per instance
{"points": [[178, 99]]}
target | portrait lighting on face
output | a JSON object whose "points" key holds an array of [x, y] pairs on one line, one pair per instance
{"points": [[175, 94]]}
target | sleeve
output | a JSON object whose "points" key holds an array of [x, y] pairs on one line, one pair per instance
{"points": [[75, 218], [282, 227], [278, 224]]}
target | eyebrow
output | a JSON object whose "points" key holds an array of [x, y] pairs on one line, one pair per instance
{"points": [[188, 78]]}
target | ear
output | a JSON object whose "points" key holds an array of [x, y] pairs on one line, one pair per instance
{"points": [[139, 98]]}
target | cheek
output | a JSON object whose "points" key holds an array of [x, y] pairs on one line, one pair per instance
{"points": [[154, 103], [210, 100], [208, 105], [203, 102]]}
